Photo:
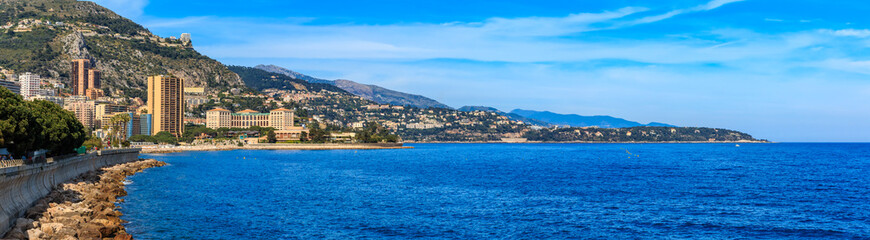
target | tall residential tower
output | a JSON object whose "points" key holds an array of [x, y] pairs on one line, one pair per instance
{"points": [[84, 76], [166, 104]]}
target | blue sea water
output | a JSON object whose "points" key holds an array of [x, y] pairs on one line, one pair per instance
{"points": [[509, 191]]}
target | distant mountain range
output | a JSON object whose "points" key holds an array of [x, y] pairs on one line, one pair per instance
{"points": [[546, 118], [510, 116], [370, 92], [575, 120]]}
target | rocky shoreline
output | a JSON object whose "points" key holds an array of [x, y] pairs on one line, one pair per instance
{"points": [[82, 208]]}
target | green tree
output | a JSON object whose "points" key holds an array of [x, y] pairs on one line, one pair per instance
{"points": [[61, 132], [165, 137], [315, 133], [271, 137], [93, 141], [27, 126], [17, 124], [142, 138]]}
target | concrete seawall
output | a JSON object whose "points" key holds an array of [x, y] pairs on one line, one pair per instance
{"points": [[21, 186]]}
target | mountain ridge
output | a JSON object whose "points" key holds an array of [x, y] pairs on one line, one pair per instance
{"points": [[575, 120], [368, 91]]}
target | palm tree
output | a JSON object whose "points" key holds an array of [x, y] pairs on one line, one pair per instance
{"points": [[118, 125]]}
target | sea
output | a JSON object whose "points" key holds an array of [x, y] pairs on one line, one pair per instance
{"points": [[508, 191]]}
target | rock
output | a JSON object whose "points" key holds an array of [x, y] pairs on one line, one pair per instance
{"points": [[16, 233], [51, 228], [34, 234], [123, 236], [82, 209], [89, 231], [24, 223], [66, 231]]}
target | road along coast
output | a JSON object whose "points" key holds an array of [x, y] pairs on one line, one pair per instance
{"points": [[82, 208]]}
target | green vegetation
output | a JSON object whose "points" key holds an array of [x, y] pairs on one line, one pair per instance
{"points": [[28, 51], [28, 126], [375, 133]]}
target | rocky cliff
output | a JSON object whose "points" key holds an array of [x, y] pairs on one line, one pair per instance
{"points": [[43, 35]]}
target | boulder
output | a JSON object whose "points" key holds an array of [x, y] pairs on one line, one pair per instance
{"points": [[16, 233], [34, 234]]}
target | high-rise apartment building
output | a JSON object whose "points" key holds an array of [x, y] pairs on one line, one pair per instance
{"points": [[84, 76], [94, 77], [84, 111], [166, 104], [30, 85]]}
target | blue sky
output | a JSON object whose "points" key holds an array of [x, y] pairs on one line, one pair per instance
{"points": [[783, 70]]}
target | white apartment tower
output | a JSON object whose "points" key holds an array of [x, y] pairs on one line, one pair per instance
{"points": [[30, 85]]}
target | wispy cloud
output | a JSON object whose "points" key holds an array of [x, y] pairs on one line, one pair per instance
{"points": [[700, 8], [861, 33]]}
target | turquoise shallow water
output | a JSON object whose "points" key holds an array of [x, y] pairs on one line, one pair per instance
{"points": [[483, 191]]}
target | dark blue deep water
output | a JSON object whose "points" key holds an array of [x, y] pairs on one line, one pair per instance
{"points": [[509, 191]]}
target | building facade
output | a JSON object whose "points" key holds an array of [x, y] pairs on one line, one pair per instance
{"points": [[55, 99], [279, 119], [79, 76], [30, 85], [106, 109], [84, 111], [84, 76], [166, 104], [11, 85], [145, 124]]}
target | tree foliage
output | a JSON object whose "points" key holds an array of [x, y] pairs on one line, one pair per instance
{"points": [[28, 126], [373, 132]]}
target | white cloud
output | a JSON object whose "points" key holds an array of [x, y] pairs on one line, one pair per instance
{"points": [[861, 33], [700, 8], [126, 8]]}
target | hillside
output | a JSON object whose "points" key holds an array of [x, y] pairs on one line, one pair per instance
{"points": [[370, 92], [260, 80], [42, 36], [575, 120]]}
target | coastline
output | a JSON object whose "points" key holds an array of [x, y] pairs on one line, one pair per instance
{"points": [[593, 142], [82, 208], [304, 146]]}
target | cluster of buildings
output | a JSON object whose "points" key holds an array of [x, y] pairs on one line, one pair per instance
{"points": [[163, 112]]}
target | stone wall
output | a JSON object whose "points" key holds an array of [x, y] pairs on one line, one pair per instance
{"points": [[21, 186]]}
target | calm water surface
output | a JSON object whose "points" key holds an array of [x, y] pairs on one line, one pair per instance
{"points": [[508, 191]]}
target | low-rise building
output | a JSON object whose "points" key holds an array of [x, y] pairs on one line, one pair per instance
{"points": [[11, 85]]}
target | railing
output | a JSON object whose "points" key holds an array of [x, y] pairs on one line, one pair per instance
{"points": [[20, 162], [11, 163]]}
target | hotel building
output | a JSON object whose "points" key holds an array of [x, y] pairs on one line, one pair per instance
{"points": [[166, 104], [280, 119]]}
